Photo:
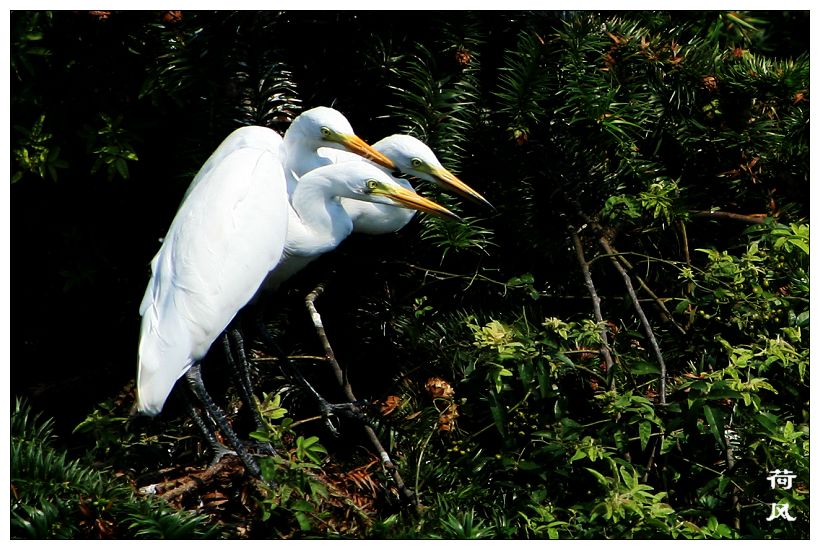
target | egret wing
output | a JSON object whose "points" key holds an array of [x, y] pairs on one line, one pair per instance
{"points": [[228, 233]]}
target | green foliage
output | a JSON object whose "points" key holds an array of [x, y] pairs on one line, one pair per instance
{"points": [[646, 120], [523, 84], [112, 148], [36, 152], [54, 497], [298, 496], [28, 47]]}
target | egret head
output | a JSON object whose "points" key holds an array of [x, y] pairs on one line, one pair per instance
{"points": [[326, 127], [413, 157], [364, 182]]}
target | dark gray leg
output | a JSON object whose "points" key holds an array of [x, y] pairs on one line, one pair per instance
{"points": [[207, 430], [241, 371], [194, 379]]}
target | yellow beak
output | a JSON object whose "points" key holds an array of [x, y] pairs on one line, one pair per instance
{"points": [[448, 180], [410, 199], [357, 145]]}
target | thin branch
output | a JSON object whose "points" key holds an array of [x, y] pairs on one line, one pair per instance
{"points": [[330, 356], [628, 282], [649, 291], [341, 377], [730, 467], [690, 286], [307, 358], [596, 307], [621, 257], [650, 463], [720, 215], [445, 276], [644, 321]]}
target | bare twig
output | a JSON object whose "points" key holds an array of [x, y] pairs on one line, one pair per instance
{"points": [[621, 257], [613, 257], [644, 321], [690, 286], [596, 307], [650, 463], [387, 463], [445, 275], [649, 291], [306, 358], [721, 215], [686, 256], [330, 356]]}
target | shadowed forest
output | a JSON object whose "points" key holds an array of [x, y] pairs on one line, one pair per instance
{"points": [[619, 349]]}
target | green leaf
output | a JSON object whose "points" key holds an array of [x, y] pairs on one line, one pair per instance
{"points": [[715, 428], [644, 367], [579, 454], [122, 168], [802, 245], [303, 520], [631, 481], [302, 506], [599, 476], [644, 430]]}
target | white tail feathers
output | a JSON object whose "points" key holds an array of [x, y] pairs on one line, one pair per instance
{"points": [[164, 356]]}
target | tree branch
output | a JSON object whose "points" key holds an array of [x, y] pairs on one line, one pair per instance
{"points": [[721, 215], [648, 290], [596, 306], [341, 377], [191, 481], [644, 321], [690, 286]]}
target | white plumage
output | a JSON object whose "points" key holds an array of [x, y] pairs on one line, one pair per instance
{"points": [[227, 235], [236, 228]]}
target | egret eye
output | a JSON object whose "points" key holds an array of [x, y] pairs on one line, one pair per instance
{"points": [[372, 184], [416, 162], [326, 133]]}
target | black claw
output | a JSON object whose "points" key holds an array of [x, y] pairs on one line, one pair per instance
{"points": [[220, 451]]}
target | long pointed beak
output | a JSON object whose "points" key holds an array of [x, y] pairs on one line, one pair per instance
{"points": [[410, 199], [357, 145], [448, 180]]}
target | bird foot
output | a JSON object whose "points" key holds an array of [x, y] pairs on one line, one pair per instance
{"points": [[220, 451], [260, 448], [352, 410]]}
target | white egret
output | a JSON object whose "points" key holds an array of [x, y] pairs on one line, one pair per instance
{"points": [[229, 232], [237, 225], [318, 222], [322, 127], [410, 156], [227, 235]]}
